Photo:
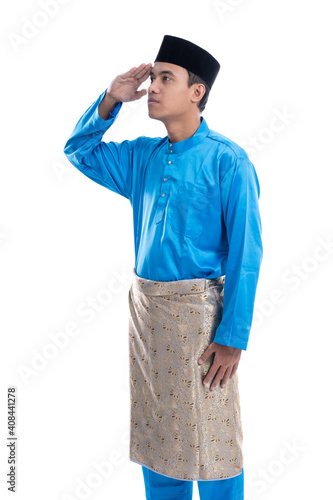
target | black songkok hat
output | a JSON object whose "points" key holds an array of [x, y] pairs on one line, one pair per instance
{"points": [[183, 53]]}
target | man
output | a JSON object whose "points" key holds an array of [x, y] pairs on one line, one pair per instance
{"points": [[198, 251]]}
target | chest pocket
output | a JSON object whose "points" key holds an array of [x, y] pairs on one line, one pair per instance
{"points": [[189, 212]]}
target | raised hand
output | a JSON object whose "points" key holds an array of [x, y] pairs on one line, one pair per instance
{"points": [[124, 88]]}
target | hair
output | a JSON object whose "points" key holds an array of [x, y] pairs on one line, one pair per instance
{"points": [[193, 78]]}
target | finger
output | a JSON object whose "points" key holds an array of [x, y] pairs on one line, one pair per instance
{"points": [[133, 71], [210, 374], [234, 369], [140, 93], [128, 73], [225, 377], [144, 73], [205, 355], [139, 70], [217, 379]]}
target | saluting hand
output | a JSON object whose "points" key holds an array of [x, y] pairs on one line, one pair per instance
{"points": [[124, 88]]}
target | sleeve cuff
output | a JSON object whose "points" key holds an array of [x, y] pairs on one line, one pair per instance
{"points": [[238, 343], [99, 120]]}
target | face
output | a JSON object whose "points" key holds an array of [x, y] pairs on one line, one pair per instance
{"points": [[169, 87]]}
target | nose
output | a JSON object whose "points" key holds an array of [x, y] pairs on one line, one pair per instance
{"points": [[153, 87]]}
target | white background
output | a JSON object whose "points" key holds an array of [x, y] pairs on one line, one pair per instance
{"points": [[64, 238]]}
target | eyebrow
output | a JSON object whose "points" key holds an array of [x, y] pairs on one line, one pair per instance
{"points": [[164, 72]]}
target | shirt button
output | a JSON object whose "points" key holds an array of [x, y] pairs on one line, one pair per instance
{"points": [[163, 194], [170, 162], [165, 179]]}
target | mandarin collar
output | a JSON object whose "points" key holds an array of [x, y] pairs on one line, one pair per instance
{"points": [[196, 138]]}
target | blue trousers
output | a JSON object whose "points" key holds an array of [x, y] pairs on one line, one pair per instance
{"points": [[159, 487]]}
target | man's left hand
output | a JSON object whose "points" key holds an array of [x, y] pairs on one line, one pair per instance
{"points": [[225, 363]]}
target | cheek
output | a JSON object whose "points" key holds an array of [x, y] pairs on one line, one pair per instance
{"points": [[180, 99], [176, 96]]}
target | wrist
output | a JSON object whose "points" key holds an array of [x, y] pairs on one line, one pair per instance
{"points": [[109, 97]]}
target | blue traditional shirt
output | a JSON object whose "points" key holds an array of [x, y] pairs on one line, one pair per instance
{"points": [[195, 208]]}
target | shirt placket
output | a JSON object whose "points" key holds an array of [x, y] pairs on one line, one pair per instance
{"points": [[165, 183]]}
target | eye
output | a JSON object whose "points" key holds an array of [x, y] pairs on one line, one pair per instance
{"points": [[152, 78]]}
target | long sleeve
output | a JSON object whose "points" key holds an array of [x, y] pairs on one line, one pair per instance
{"points": [[240, 193], [109, 164]]}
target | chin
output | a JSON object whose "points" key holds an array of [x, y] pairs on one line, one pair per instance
{"points": [[151, 115]]}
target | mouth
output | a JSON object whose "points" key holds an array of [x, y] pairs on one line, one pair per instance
{"points": [[152, 101]]}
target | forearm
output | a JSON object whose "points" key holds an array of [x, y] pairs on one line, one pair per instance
{"points": [[106, 106], [88, 132]]}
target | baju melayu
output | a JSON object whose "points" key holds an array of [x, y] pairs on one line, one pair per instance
{"points": [[198, 251]]}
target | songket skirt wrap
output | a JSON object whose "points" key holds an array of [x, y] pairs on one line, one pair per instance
{"points": [[178, 427]]}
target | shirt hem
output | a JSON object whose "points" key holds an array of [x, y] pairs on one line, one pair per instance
{"points": [[214, 479]]}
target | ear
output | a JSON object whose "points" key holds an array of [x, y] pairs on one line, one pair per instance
{"points": [[198, 91]]}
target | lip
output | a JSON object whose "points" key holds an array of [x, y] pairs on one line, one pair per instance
{"points": [[152, 101]]}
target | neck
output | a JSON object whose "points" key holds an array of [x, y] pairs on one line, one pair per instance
{"points": [[182, 128]]}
